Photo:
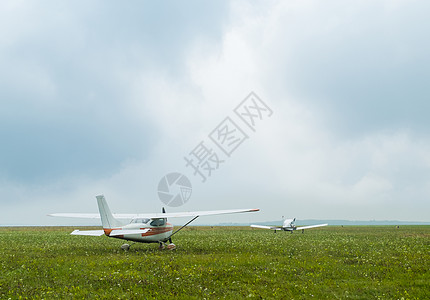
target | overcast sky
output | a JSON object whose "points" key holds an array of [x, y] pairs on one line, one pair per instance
{"points": [[106, 97]]}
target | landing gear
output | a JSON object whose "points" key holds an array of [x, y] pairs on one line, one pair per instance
{"points": [[125, 247], [163, 246]]}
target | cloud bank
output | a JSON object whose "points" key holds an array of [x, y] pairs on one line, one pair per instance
{"points": [[108, 98]]}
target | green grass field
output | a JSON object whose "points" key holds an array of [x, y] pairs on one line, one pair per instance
{"points": [[360, 262]]}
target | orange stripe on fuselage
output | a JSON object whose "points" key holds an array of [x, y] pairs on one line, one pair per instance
{"points": [[157, 230]]}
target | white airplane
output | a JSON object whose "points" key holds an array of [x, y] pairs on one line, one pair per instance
{"points": [[288, 225], [143, 228]]}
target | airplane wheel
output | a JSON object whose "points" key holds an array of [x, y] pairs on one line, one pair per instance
{"points": [[162, 246], [125, 247], [171, 246]]}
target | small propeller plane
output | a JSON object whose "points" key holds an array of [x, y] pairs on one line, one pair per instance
{"points": [[143, 228], [288, 225]]}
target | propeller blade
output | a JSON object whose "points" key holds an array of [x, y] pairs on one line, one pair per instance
{"points": [[163, 210]]}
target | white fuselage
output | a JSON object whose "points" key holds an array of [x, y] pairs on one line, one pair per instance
{"points": [[155, 234], [288, 225]]}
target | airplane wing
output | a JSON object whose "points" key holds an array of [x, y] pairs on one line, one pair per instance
{"points": [[157, 215], [311, 226], [76, 215], [92, 215], [267, 227], [197, 213]]}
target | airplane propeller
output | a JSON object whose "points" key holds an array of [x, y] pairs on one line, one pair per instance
{"points": [[163, 210]]}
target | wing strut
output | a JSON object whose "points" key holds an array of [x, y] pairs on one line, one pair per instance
{"points": [[184, 225]]}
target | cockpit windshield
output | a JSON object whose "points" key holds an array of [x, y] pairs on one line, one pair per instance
{"points": [[140, 220], [158, 222], [152, 222]]}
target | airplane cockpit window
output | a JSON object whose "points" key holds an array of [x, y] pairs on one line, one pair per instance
{"points": [[158, 222], [140, 220]]}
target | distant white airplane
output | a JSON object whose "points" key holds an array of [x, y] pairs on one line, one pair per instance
{"points": [[143, 228], [288, 225]]}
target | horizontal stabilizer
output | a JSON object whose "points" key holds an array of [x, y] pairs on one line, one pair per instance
{"points": [[267, 227], [311, 226], [88, 232], [117, 232]]}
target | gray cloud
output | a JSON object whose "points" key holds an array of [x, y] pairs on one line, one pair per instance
{"points": [[365, 65], [66, 74]]}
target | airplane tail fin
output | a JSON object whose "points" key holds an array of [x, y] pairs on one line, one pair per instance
{"points": [[108, 221]]}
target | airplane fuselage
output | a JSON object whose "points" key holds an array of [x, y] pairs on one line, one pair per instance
{"points": [[155, 234], [289, 228]]}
